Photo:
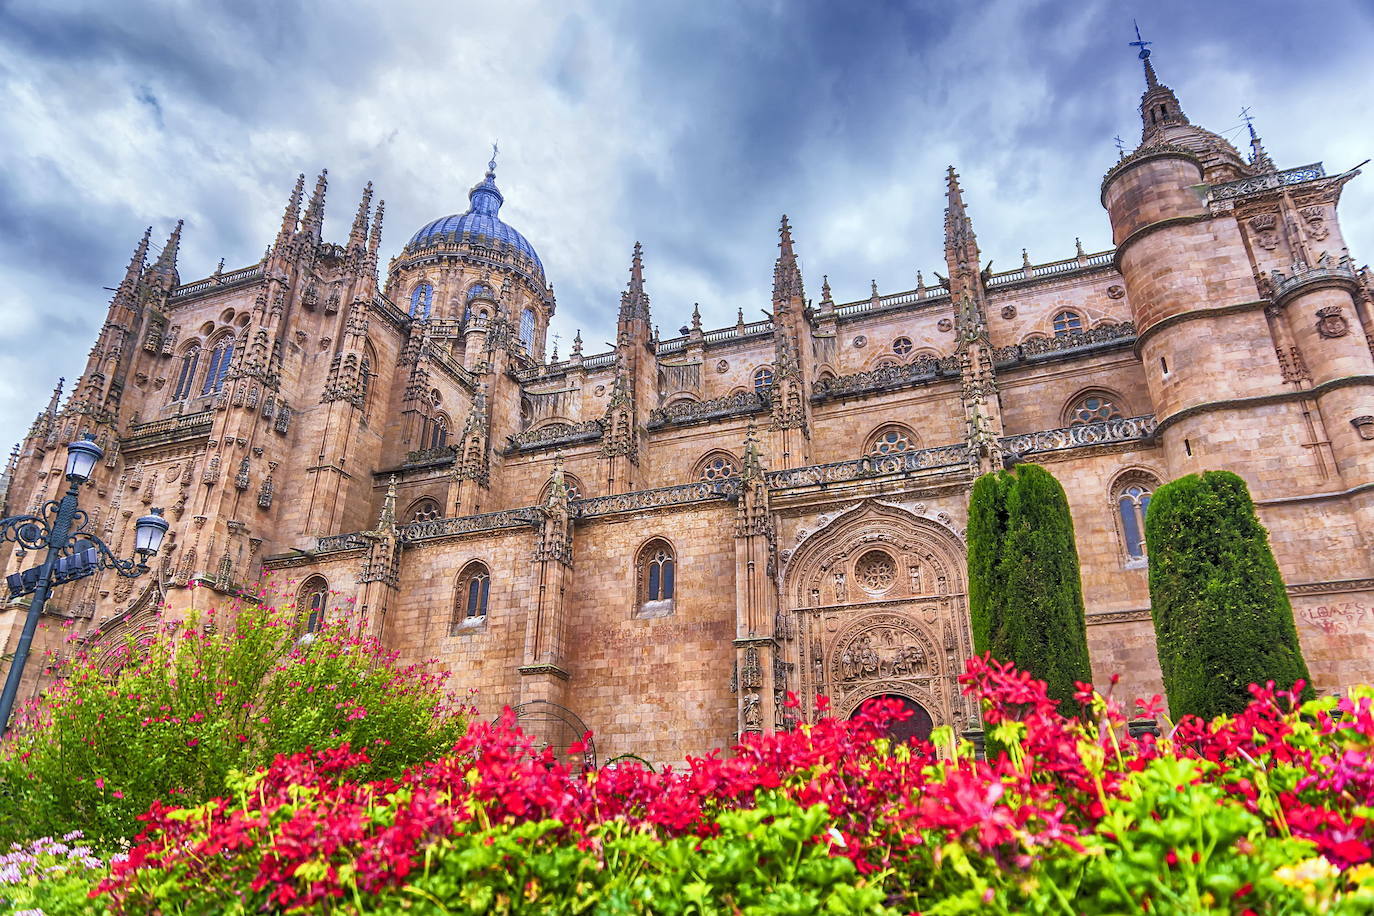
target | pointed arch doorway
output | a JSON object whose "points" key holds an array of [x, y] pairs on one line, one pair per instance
{"points": [[915, 727]]}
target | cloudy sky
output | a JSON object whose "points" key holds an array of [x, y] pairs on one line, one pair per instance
{"points": [[690, 126]]}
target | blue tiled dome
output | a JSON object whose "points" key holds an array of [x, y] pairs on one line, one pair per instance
{"points": [[481, 219]]}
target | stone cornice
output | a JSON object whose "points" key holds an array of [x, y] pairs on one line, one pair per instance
{"points": [[1315, 497], [1151, 229], [1220, 311], [1263, 400], [1142, 155]]}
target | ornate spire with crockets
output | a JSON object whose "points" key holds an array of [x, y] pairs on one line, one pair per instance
{"points": [[634, 302], [312, 222], [357, 236], [1259, 159], [290, 219], [787, 280], [163, 273], [1159, 107]]}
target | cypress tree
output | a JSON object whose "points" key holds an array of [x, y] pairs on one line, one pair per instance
{"points": [[1221, 613], [1025, 595]]}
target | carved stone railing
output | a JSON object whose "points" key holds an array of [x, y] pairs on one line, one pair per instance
{"points": [[489, 521], [700, 491], [1301, 275], [598, 360], [735, 331], [1041, 347], [1244, 187], [741, 403], [1053, 268], [891, 301], [146, 434], [334, 542], [887, 378], [232, 278], [554, 434], [431, 455], [943, 456], [1104, 432]]}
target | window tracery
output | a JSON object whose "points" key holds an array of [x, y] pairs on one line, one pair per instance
{"points": [[218, 368], [470, 595], [902, 346], [656, 574], [420, 299], [425, 509], [717, 466], [311, 602], [763, 378], [1067, 322], [189, 361], [892, 439], [1093, 407], [436, 432], [1131, 494]]}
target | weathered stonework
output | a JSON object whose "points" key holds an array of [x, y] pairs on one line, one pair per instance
{"points": [[806, 476]]}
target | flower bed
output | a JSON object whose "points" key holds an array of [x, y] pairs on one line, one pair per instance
{"points": [[1264, 813]]}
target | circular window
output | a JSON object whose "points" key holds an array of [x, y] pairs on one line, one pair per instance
{"points": [[875, 572], [891, 442], [902, 346], [1094, 409], [718, 468]]}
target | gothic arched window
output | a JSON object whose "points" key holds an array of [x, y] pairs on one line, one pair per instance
{"points": [[189, 360], [420, 299], [436, 432], [470, 595], [763, 378], [1093, 407], [717, 466], [364, 380], [1067, 322], [656, 575], [425, 509], [570, 483], [219, 366], [891, 440], [311, 602], [1131, 497], [527, 329]]}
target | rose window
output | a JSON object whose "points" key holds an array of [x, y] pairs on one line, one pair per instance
{"points": [[875, 571], [1093, 409], [901, 346], [719, 468], [891, 442]]}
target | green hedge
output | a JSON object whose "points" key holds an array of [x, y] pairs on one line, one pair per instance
{"points": [[1025, 596], [1221, 614]]}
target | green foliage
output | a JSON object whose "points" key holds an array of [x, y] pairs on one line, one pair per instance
{"points": [[195, 701], [1221, 613], [1025, 596]]}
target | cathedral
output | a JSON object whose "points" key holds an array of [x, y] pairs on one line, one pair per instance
{"points": [[659, 542]]}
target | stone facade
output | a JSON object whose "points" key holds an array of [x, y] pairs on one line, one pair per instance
{"points": [[661, 540]]}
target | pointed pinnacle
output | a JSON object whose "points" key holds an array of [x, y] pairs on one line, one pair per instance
{"points": [[785, 236], [313, 221], [825, 287], [357, 237], [291, 216], [167, 260], [696, 316], [56, 397], [139, 258]]}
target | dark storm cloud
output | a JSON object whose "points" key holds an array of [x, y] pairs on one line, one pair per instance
{"points": [[690, 126]]}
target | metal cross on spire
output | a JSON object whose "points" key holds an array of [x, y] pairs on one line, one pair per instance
{"points": [[495, 148], [1120, 144], [1139, 42]]}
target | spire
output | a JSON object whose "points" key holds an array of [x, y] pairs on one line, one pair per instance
{"points": [[1159, 107], [56, 398], [1258, 157], [577, 345], [164, 269], [961, 245], [134, 271], [290, 219], [787, 282], [374, 240], [313, 221], [696, 316], [825, 288], [357, 237], [386, 519], [485, 197], [634, 302]]}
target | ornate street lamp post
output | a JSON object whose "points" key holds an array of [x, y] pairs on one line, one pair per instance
{"points": [[72, 553]]}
